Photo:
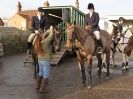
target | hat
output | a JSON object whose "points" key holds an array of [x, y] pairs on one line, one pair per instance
{"points": [[90, 6], [121, 19], [39, 9]]}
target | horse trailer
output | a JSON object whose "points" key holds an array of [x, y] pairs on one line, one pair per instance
{"points": [[61, 15]]}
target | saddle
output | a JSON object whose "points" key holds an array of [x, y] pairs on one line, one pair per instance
{"points": [[98, 43]]}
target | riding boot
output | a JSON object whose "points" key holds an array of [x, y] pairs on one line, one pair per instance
{"points": [[29, 48], [43, 85], [39, 79], [99, 46]]}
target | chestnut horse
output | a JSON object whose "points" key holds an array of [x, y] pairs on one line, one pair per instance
{"points": [[37, 48], [85, 46]]}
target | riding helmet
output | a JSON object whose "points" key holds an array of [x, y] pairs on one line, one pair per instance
{"points": [[39, 9], [90, 6], [121, 19]]}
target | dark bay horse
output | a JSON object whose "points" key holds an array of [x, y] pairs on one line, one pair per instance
{"points": [[37, 47], [85, 46]]}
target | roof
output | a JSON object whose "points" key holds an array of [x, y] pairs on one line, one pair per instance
{"points": [[1, 21], [27, 14], [116, 17], [55, 10]]}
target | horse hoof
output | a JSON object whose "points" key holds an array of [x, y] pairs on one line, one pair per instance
{"points": [[104, 70], [89, 86], [127, 67]]}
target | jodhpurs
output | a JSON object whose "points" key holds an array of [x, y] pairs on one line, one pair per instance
{"points": [[97, 34], [31, 37]]}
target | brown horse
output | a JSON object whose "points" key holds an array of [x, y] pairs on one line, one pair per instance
{"points": [[37, 48], [113, 32], [85, 46]]}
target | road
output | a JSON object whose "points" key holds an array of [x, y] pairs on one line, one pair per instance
{"points": [[16, 81]]}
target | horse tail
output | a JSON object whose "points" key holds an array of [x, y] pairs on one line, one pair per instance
{"points": [[37, 45]]}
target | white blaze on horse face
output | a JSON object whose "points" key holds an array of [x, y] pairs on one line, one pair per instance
{"points": [[69, 38]]}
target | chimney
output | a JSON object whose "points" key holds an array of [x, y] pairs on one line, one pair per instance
{"points": [[19, 7], [46, 4], [77, 4]]}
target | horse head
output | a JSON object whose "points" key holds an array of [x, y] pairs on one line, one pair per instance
{"points": [[75, 33], [57, 39], [70, 35]]}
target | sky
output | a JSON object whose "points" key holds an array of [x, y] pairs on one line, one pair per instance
{"points": [[104, 7]]}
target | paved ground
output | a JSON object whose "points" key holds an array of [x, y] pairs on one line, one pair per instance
{"points": [[16, 81]]}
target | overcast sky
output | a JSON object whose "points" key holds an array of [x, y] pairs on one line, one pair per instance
{"points": [[105, 7]]}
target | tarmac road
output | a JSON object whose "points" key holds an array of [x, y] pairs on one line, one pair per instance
{"points": [[16, 81]]}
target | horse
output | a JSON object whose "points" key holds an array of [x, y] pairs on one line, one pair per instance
{"points": [[37, 48], [113, 31], [124, 46], [85, 47]]}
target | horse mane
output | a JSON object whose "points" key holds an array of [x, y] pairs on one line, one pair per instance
{"points": [[37, 45], [79, 30]]}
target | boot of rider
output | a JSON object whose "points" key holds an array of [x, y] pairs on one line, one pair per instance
{"points": [[99, 46], [43, 85], [38, 84], [29, 48]]}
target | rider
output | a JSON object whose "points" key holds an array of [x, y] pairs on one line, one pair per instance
{"points": [[38, 22], [92, 19], [120, 25]]}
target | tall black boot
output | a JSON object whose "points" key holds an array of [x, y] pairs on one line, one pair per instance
{"points": [[99, 47], [29, 48]]}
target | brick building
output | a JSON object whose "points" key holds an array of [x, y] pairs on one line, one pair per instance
{"points": [[1, 22]]}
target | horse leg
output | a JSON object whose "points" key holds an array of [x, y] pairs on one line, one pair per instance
{"points": [[89, 58], [127, 62], [113, 58], [82, 68], [35, 65], [124, 62], [104, 63], [108, 63], [99, 64]]}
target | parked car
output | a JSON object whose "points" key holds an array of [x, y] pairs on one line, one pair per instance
{"points": [[1, 50]]}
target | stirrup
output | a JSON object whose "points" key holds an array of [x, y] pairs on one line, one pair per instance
{"points": [[99, 50]]}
